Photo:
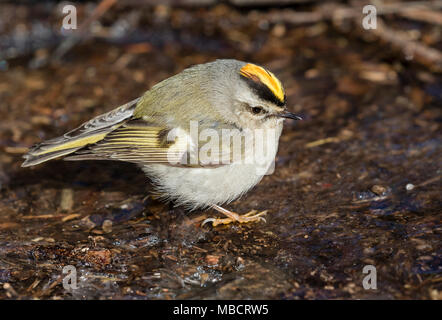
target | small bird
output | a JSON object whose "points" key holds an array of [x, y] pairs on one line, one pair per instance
{"points": [[155, 132]]}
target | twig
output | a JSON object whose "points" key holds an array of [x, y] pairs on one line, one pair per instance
{"points": [[322, 141], [437, 178], [42, 216], [424, 15], [412, 49], [254, 3], [337, 12], [201, 3]]}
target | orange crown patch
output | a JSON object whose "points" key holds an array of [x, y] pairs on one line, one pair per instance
{"points": [[259, 74]]}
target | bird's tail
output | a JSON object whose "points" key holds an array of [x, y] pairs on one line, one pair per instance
{"points": [[58, 147], [88, 133]]}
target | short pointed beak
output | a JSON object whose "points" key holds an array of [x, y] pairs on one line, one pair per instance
{"points": [[289, 115]]}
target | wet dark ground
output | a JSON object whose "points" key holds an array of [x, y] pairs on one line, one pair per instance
{"points": [[338, 200]]}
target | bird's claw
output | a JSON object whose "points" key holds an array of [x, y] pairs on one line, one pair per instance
{"points": [[252, 216]]}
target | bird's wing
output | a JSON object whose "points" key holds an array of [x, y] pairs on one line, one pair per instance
{"points": [[136, 141], [88, 133], [117, 135], [142, 142]]}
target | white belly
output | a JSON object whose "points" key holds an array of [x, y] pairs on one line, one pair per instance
{"points": [[202, 187]]}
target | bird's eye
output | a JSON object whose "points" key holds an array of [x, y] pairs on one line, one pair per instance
{"points": [[257, 110]]}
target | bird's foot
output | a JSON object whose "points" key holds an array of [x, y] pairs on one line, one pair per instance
{"points": [[252, 216]]}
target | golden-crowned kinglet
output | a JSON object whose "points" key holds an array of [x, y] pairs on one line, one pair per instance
{"points": [[194, 134]]}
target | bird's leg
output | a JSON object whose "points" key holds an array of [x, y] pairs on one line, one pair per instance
{"points": [[252, 216]]}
